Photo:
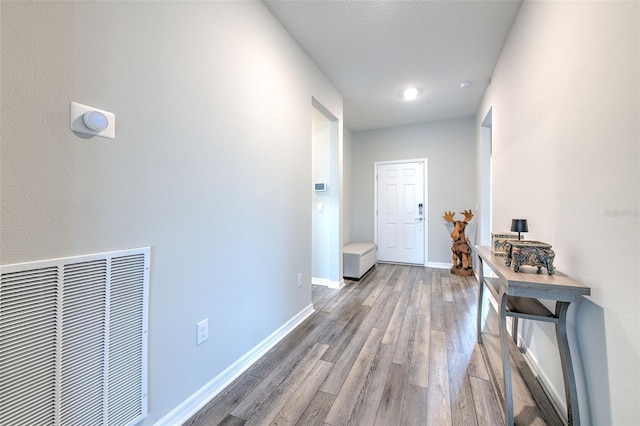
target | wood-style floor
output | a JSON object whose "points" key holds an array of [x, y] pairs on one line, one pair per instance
{"points": [[395, 348]]}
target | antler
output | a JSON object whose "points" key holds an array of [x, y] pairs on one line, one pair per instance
{"points": [[467, 215], [448, 216]]}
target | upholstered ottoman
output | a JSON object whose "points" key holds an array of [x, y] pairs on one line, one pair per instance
{"points": [[358, 258]]}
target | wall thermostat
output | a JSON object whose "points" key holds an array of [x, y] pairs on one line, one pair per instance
{"points": [[319, 186]]}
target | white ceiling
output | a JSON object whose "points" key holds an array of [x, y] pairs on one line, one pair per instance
{"points": [[371, 50]]}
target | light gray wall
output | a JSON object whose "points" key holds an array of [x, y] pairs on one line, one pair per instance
{"points": [[449, 147], [210, 165], [565, 99]]}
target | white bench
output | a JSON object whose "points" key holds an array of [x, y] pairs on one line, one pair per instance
{"points": [[358, 259]]}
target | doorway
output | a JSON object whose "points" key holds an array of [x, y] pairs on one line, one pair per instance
{"points": [[325, 199], [400, 198], [486, 137]]}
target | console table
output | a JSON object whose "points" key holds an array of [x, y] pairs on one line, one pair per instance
{"points": [[517, 294]]}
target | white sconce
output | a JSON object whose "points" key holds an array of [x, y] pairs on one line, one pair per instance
{"points": [[92, 121]]}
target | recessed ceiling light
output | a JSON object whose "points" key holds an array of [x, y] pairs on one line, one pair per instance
{"points": [[411, 93], [465, 84]]}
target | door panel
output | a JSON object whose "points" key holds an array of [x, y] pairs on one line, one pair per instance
{"points": [[400, 226]]}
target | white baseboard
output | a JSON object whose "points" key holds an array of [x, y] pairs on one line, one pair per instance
{"points": [[439, 265], [327, 282], [195, 402]]}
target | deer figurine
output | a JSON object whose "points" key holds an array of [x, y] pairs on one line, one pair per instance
{"points": [[462, 264]]}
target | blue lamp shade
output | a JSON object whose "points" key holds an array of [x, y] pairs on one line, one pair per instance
{"points": [[519, 225]]}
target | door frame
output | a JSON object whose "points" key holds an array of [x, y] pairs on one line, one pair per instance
{"points": [[425, 197]]}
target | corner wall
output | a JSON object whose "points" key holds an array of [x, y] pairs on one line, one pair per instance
{"points": [[210, 165], [565, 99]]}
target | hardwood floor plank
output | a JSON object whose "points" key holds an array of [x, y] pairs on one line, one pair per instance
{"points": [[366, 407], [406, 339], [439, 405], [342, 294], [466, 322], [414, 412], [425, 297], [317, 410], [345, 337], [462, 405], [231, 421], [416, 293], [299, 341], [378, 287], [319, 291], [386, 297], [333, 331], [485, 402], [445, 283], [319, 304], [437, 306], [395, 324], [263, 390], [392, 399], [264, 410], [346, 399], [438, 366], [401, 280], [217, 409], [345, 309], [345, 362], [386, 309], [477, 365], [451, 313], [295, 407], [371, 280], [419, 366]]}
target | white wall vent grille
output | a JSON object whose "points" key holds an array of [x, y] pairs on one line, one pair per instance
{"points": [[73, 340]]}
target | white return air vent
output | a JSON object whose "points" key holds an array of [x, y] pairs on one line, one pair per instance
{"points": [[73, 340]]}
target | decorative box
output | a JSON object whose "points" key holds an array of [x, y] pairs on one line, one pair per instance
{"points": [[498, 241], [530, 253]]}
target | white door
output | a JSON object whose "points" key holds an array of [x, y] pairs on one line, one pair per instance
{"points": [[401, 212]]}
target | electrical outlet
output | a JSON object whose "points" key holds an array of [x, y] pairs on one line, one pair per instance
{"points": [[299, 280], [202, 329]]}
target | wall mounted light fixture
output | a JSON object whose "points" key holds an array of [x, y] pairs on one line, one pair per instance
{"points": [[92, 121]]}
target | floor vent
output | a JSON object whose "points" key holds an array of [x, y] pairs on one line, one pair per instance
{"points": [[73, 340]]}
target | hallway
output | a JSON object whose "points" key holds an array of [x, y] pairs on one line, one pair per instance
{"points": [[396, 348]]}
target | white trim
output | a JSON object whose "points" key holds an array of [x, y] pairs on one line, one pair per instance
{"points": [[425, 172], [328, 283], [195, 402], [439, 265]]}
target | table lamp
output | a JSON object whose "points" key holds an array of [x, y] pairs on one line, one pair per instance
{"points": [[519, 225]]}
